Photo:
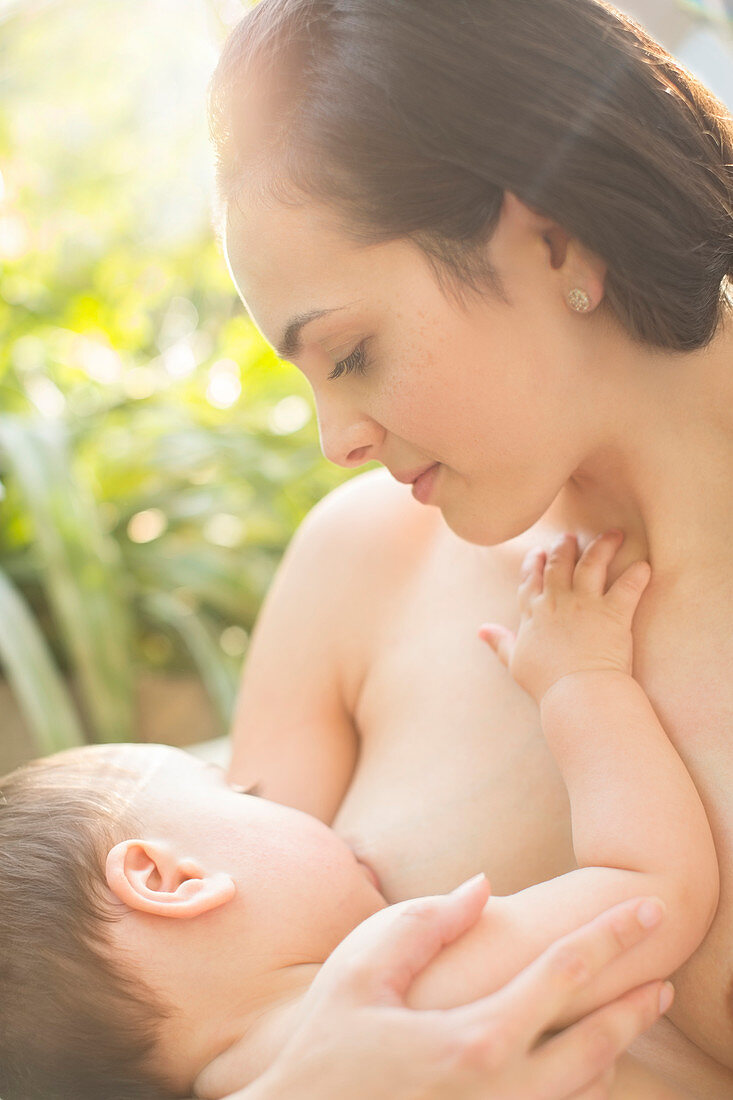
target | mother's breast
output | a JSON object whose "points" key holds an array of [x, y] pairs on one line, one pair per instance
{"points": [[696, 1043], [703, 1004], [453, 775], [670, 1055], [636, 1081], [684, 659]]}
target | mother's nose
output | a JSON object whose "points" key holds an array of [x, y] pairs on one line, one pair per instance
{"points": [[348, 437]]}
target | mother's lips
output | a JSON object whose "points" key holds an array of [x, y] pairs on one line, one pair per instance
{"points": [[411, 478], [422, 488]]}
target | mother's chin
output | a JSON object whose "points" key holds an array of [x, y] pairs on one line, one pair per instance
{"points": [[487, 516]]}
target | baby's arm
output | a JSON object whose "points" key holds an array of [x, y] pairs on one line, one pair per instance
{"points": [[639, 826]]}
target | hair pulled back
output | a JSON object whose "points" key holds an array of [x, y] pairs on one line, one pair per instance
{"points": [[411, 118]]}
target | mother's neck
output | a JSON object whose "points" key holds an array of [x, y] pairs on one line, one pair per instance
{"points": [[663, 471]]}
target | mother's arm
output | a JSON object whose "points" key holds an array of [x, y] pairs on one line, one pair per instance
{"points": [[293, 731]]}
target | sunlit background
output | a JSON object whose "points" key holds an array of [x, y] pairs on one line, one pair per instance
{"points": [[154, 455]]}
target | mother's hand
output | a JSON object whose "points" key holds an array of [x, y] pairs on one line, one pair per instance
{"points": [[358, 1040]]}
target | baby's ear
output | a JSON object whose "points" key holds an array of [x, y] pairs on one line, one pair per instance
{"points": [[150, 877]]}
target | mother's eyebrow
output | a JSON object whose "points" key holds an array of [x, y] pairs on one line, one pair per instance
{"points": [[290, 345]]}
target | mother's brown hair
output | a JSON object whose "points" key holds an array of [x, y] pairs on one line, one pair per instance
{"points": [[411, 118]]}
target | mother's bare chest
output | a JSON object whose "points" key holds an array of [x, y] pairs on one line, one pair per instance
{"points": [[454, 776], [685, 662]]}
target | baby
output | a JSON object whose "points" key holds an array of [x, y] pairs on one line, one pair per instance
{"points": [[161, 927]]}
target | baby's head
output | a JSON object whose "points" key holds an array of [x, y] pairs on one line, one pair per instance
{"points": [[150, 913]]}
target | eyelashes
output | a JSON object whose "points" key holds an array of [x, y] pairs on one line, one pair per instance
{"points": [[355, 364]]}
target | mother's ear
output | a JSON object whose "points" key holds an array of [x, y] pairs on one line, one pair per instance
{"points": [[151, 878], [577, 265]]}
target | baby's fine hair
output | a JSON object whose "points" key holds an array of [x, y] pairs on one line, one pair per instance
{"points": [[73, 1024]]}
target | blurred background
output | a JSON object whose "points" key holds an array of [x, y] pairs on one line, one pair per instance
{"points": [[155, 456]]}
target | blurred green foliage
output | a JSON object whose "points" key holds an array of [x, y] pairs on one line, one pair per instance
{"points": [[155, 456], [718, 13]]}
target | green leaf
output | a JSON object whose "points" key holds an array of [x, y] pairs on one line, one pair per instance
{"points": [[78, 572], [218, 676], [37, 685]]}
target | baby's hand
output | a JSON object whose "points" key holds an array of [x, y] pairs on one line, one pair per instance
{"points": [[570, 623]]}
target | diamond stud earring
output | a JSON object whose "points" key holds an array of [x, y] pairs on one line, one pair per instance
{"points": [[579, 301]]}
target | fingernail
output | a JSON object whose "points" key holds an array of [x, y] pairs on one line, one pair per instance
{"points": [[467, 887], [666, 997], [650, 913]]}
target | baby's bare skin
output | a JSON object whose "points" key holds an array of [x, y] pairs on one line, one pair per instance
{"points": [[495, 801], [638, 824]]}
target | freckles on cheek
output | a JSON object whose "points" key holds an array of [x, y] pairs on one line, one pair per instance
{"points": [[409, 404], [403, 416]]}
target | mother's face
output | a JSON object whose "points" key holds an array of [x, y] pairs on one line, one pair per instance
{"points": [[497, 393]]}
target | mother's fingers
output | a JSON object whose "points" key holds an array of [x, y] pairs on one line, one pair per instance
{"points": [[547, 988], [383, 955], [581, 1054]]}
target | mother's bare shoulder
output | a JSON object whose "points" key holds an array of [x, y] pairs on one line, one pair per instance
{"points": [[373, 503], [364, 537], [376, 520]]}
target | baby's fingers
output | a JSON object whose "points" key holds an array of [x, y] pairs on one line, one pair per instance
{"points": [[625, 593], [592, 570], [501, 640], [561, 563], [533, 568]]}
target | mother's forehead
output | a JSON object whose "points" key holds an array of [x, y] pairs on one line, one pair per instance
{"points": [[262, 235], [291, 261]]}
